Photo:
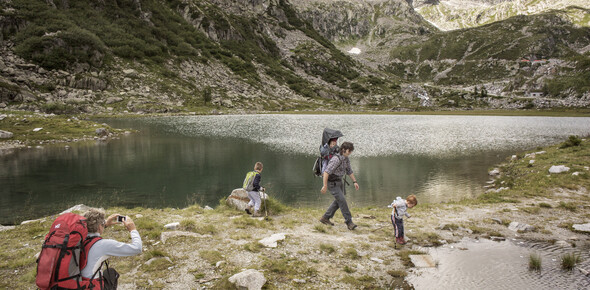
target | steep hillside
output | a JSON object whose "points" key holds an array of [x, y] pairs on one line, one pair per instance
{"points": [[156, 55], [456, 14], [370, 27], [544, 53]]}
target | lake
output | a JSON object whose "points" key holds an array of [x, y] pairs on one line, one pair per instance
{"points": [[178, 161]]}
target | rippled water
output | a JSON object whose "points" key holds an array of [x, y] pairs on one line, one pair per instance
{"points": [[484, 264], [386, 135], [177, 161]]}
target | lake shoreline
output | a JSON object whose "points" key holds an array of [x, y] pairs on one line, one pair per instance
{"points": [[522, 192]]}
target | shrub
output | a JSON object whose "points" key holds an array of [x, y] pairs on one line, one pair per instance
{"points": [[571, 142]]}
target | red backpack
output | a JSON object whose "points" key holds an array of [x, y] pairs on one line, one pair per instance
{"points": [[64, 255]]}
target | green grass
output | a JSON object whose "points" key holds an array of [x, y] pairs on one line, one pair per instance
{"points": [[569, 261], [59, 127], [253, 247], [535, 262], [328, 249], [211, 256], [351, 253]]}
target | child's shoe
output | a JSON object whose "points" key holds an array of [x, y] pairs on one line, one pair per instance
{"points": [[248, 209], [401, 241]]}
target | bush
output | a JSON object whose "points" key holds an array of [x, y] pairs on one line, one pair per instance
{"points": [[571, 142]]}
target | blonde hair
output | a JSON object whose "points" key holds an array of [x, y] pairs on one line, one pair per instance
{"points": [[94, 218], [412, 199], [258, 166]]}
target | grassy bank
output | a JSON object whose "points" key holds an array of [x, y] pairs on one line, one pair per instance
{"points": [[53, 128], [212, 245]]}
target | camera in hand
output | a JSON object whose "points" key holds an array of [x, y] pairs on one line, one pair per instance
{"points": [[120, 218]]}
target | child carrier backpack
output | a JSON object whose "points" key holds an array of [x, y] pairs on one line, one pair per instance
{"points": [[64, 254], [317, 167], [249, 181]]}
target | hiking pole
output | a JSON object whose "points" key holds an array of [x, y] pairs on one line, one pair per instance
{"points": [[264, 195]]}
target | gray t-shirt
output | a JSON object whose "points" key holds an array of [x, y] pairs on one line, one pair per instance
{"points": [[402, 208]]}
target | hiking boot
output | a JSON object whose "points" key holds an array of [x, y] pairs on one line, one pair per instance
{"points": [[401, 241], [256, 214], [248, 209], [351, 226], [326, 221]]}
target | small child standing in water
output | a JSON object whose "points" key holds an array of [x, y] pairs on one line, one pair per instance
{"points": [[400, 208]]}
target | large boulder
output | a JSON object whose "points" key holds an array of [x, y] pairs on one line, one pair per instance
{"points": [[558, 169], [238, 199], [5, 134], [250, 279]]}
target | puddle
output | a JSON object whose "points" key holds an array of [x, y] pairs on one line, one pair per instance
{"points": [[485, 264]]}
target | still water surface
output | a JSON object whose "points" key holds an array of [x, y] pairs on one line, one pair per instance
{"points": [[177, 161]]}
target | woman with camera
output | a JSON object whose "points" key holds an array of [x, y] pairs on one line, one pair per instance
{"points": [[98, 250]]}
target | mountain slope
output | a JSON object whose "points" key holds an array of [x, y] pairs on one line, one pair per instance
{"points": [[156, 55], [542, 52], [456, 14]]}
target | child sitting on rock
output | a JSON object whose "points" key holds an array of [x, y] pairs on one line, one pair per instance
{"points": [[400, 208]]}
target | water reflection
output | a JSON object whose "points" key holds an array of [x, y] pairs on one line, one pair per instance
{"points": [[176, 161]]}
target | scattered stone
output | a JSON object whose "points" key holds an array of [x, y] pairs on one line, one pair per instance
{"points": [[576, 173], [272, 241], [5, 134], [208, 207], [518, 227], [584, 271], [3, 105], [514, 157], [130, 72], [582, 227], [67, 147], [138, 215], [250, 279], [497, 190], [562, 244], [531, 162], [219, 263], [497, 220], [497, 239], [6, 228], [205, 280], [101, 132], [78, 207], [465, 230], [530, 155], [376, 260], [156, 258], [172, 226], [30, 221], [494, 172], [300, 281], [573, 238], [558, 169], [586, 167], [422, 261], [3, 116], [366, 216], [37, 129]]}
